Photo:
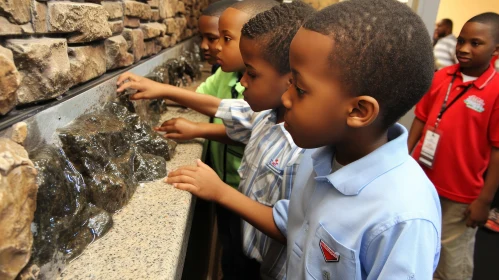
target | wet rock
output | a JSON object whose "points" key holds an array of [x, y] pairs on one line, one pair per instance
{"points": [[87, 62], [39, 16], [88, 21], [153, 29], [117, 55], [137, 9], [43, 65], [105, 147], [17, 206], [114, 9], [7, 28], [116, 26], [17, 10], [9, 81], [135, 39]]}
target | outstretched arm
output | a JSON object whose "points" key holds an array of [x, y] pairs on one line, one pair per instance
{"points": [[148, 89], [203, 182]]}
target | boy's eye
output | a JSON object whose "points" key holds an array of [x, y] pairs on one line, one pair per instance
{"points": [[460, 41], [227, 39], [212, 39], [299, 90], [251, 75], [474, 44]]}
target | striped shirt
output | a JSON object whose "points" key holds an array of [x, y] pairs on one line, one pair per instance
{"points": [[445, 51], [267, 172]]}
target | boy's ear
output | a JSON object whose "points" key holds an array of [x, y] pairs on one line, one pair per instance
{"points": [[363, 111], [496, 50]]}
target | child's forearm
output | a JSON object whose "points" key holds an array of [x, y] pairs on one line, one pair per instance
{"points": [[492, 179], [257, 214], [415, 133], [216, 132], [203, 103]]}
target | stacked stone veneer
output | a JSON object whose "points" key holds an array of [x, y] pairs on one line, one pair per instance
{"points": [[49, 46]]}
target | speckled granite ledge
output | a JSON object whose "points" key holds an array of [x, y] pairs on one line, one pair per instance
{"points": [[150, 234]]}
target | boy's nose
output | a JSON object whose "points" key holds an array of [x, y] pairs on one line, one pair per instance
{"points": [[218, 46], [286, 98]]}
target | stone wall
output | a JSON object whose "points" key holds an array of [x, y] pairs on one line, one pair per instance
{"points": [[49, 46]]}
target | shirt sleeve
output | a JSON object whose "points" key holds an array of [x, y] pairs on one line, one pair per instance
{"points": [[494, 125], [280, 213], [407, 250], [238, 119]]}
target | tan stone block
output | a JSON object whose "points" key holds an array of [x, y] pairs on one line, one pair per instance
{"points": [[164, 41], [114, 9], [19, 133], [151, 48], [153, 3], [87, 62], [181, 23], [89, 21], [132, 22], [171, 26], [167, 8], [116, 26], [39, 16], [17, 207], [153, 29], [8, 28], [155, 15], [9, 81], [117, 55], [180, 7], [17, 11], [135, 40], [137, 9], [43, 65]]}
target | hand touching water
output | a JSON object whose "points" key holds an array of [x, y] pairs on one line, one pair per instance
{"points": [[146, 88], [179, 129]]}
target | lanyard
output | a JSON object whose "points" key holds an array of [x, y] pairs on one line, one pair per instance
{"points": [[445, 107]]}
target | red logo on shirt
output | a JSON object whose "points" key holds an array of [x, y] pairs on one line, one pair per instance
{"points": [[328, 253], [275, 162]]}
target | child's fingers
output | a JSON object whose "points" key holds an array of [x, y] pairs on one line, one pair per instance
{"points": [[133, 85], [181, 179], [184, 170], [125, 76], [185, 187], [174, 136]]}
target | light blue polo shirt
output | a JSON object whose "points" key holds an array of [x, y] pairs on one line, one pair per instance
{"points": [[376, 218]]}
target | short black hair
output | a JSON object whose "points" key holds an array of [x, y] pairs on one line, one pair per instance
{"points": [[254, 7], [381, 49], [491, 19], [217, 8], [448, 22], [274, 30]]}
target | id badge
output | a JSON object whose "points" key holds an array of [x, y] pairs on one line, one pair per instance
{"points": [[430, 146]]}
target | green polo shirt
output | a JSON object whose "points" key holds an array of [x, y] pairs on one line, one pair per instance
{"points": [[224, 159]]}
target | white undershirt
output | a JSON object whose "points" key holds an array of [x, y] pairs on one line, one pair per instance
{"points": [[467, 78]]}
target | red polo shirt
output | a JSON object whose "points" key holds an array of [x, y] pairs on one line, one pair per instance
{"points": [[469, 130]]}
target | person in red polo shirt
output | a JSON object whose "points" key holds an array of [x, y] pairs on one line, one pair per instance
{"points": [[455, 137]]}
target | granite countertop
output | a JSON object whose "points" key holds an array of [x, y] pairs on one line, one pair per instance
{"points": [[150, 235]]}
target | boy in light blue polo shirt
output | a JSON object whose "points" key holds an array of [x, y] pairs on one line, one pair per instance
{"points": [[361, 207]]}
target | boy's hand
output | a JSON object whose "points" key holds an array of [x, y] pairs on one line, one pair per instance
{"points": [[146, 89], [179, 129], [477, 213], [199, 180]]}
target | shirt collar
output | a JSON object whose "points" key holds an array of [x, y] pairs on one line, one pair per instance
{"points": [[351, 179], [235, 81], [479, 83]]}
